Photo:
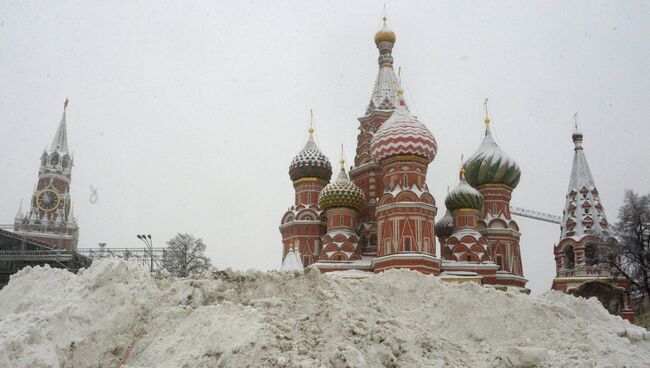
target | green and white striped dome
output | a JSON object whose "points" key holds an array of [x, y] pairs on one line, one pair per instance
{"points": [[490, 165]]}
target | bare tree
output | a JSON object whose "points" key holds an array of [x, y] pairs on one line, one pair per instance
{"points": [[185, 256], [630, 258]]}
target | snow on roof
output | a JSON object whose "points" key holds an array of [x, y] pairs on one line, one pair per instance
{"points": [[384, 93]]}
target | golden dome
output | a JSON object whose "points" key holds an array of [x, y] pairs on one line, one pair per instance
{"points": [[385, 34]]}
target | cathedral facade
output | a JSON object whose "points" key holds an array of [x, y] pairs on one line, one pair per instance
{"points": [[50, 218], [382, 216]]}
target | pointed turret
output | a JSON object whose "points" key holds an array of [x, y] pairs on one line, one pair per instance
{"points": [[583, 210], [579, 265], [384, 93], [60, 141]]}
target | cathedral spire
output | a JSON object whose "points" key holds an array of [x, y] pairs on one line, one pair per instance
{"points": [[583, 211], [384, 94], [60, 141]]}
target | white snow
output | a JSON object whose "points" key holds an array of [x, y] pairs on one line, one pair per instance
{"points": [[292, 262], [116, 310]]}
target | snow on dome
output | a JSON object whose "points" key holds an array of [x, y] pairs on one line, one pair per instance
{"points": [[403, 134], [445, 226], [310, 162], [385, 34], [341, 193], [464, 196], [490, 165]]}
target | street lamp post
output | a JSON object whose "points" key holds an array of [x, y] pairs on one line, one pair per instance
{"points": [[146, 239]]}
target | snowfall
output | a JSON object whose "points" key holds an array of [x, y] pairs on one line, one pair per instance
{"points": [[115, 314]]}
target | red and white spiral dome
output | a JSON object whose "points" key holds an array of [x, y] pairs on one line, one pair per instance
{"points": [[403, 134]]}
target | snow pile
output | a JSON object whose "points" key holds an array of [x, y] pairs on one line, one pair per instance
{"points": [[115, 314]]}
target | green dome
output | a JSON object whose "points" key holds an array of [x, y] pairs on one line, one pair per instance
{"points": [[490, 165], [464, 196], [341, 193]]}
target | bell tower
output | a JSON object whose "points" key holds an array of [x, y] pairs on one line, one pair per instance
{"points": [[50, 217]]}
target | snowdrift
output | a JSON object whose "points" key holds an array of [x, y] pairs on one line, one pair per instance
{"points": [[115, 314]]}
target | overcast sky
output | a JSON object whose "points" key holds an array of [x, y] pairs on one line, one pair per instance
{"points": [[185, 114]]}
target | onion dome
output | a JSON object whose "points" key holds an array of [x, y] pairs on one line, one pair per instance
{"points": [[490, 165], [341, 193], [464, 196], [385, 34], [310, 162], [403, 134], [577, 134], [445, 226]]}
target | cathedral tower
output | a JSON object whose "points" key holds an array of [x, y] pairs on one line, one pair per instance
{"points": [[50, 217], [366, 173], [496, 175], [341, 200], [303, 223], [405, 213], [584, 230], [465, 244]]}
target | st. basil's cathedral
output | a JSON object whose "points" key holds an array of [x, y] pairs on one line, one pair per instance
{"points": [[381, 215]]}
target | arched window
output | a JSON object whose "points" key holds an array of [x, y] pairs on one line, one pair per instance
{"points": [[591, 257], [569, 258]]}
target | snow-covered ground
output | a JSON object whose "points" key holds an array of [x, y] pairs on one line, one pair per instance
{"points": [[116, 311]]}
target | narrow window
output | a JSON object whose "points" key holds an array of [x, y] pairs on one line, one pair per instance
{"points": [[387, 246], [406, 181], [308, 198], [569, 258], [407, 244], [500, 262], [341, 220], [427, 245]]}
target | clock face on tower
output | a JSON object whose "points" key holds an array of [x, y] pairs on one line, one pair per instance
{"points": [[48, 200]]}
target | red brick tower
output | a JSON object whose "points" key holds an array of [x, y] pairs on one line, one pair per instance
{"points": [[584, 230], [304, 223], [341, 201], [366, 173], [50, 217], [465, 244], [495, 175], [404, 148]]}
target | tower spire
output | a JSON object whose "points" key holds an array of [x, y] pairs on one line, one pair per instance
{"points": [[384, 94], [577, 134], [487, 116], [60, 141], [311, 124]]}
